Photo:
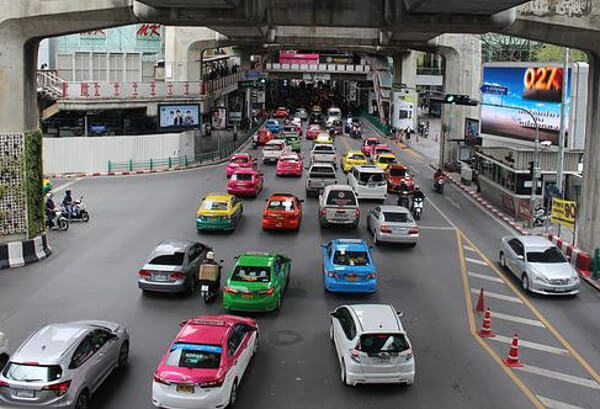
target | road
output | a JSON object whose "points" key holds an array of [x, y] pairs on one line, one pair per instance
{"points": [[93, 272]]}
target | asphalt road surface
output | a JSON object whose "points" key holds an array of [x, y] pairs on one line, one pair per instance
{"points": [[93, 274]]}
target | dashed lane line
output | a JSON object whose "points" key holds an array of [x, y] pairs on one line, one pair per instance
{"points": [[476, 261], [498, 296], [559, 376], [485, 277], [531, 345], [468, 248], [556, 404], [520, 320]]}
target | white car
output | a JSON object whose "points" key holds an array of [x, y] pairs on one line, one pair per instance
{"points": [[371, 345], [273, 150], [368, 181], [3, 351], [338, 205], [333, 114], [323, 153], [392, 224], [301, 113]]}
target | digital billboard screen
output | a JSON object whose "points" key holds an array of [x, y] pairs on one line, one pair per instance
{"points": [[179, 116], [537, 89]]}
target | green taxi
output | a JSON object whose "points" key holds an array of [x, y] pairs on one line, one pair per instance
{"points": [[219, 212], [257, 282], [293, 142]]}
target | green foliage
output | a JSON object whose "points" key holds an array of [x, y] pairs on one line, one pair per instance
{"points": [[34, 182], [554, 53]]}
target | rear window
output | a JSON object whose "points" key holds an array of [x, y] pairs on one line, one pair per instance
{"points": [[374, 344], [385, 159], [32, 373], [341, 198], [398, 172], [241, 176], [322, 175], [175, 259], [273, 147], [366, 177], [197, 356], [350, 258], [325, 149], [397, 217], [371, 142], [210, 205], [357, 157], [239, 160], [286, 205], [251, 274]]}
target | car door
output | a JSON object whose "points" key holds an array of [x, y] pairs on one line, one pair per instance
{"points": [[338, 320], [515, 250], [106, 349], [233, 358], [373, 218], [326, 258], [347, 335], [87, 365]]}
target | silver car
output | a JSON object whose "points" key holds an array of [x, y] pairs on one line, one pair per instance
{"points": [[539, 264], [172, 267], [338, 205], [61, 365], [392, 224]]}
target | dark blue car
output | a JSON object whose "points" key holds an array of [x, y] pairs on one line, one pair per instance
{"points": [[348, 266]]}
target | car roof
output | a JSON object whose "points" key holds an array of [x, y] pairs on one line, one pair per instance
{"points": [[206, 329], [393, 209], [372, 138], [534, 241], [328, 145], [322, 165], [397, 166], [275, 142], [368, 168], [350, 244], [171, 246], [339, 187], [382, 145], [219, 197], [386, 155], [377, 317], [355, 153], [240, 155], [279, 196], [244, 170], [256, 259]]}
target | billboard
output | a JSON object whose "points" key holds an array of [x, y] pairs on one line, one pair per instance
{"points": [[179, 116], [537, 88], [290, 57], [218, 117], [403, 110]]}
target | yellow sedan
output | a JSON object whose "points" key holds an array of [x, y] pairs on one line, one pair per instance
{"points": [[352, 158], [384, 160], [323, 138], [219, 211]]}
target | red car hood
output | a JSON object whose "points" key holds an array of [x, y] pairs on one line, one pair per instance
{"points": [[188, 375], [398, 179]]}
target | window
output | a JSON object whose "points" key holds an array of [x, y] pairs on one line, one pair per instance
{"points": [[83, 352], [350, 258], [365, 178], [550, 255], [195, 252], [212, 205], [283, 205], [99, 337], [387, 159], [175, 259], [239, 160], [517, 247], [198, 356], [235, 338], [241, 176], [251, 274], [32, 373], [346, 322], [376, 211], [324, 149], [341, 198], [394, 217], [398, 172], [357, 156], [375, 344]]}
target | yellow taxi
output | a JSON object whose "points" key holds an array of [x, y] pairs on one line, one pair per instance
{"points": [[384, 160], [219, 212], [323, 138], [352, 158]]}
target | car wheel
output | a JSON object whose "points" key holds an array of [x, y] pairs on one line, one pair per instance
{"points": [[83, 400], [123, 355], [412, 245], [502, 260], [278, 301], [525, 282], [375, 241], [233, 394], [192, 286], [3, 361], [85, 217]]}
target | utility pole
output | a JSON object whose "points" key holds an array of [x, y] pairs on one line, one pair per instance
{"points": [[563, 128]]}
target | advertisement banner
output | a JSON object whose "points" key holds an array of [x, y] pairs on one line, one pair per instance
{"points": [[179, 116], [563, 212], [537, 88], [218, 117], [148, 32], [404, 110], [286, 57], [93, 35]]}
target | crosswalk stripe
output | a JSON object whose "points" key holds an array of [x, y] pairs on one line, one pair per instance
{"points": [[475, 261], [486, 277], [471, 249], [555, 404], [559, 376], [498, 296], [520, 320], [531, 345]]}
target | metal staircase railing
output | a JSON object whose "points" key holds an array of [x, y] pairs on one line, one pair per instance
{"points": [[49, 83]]}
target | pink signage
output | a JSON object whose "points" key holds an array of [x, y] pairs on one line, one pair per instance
{"points": [[296, 58]]}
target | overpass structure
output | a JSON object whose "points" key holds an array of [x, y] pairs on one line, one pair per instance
{"points": [[382, 27]]}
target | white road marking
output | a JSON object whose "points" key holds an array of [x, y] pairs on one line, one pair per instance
{"points": [[435, 228], [555, 404], [450, 222], [476, 261], [468, 248], [520, 320], [560, 376], [531, 345], [66, 185], [486, 277], [498, 296], [452, 202]]}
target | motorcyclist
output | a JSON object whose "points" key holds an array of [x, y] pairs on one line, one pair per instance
{"points": [[50, 206], [212, 286], [438, 174], [403, 194], [417, 195], [68, 203]]}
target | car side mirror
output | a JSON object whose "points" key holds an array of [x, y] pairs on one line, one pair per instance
{"points": [[568, 257], [401, 314], [323, 245], [182, 323], [370, 247], [221, 261]]}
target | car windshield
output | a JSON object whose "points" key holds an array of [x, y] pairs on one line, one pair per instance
{"points": [[387, 159], [398, 172], [175, 259], [366, 178], [32, 373], [397, 217], [251, 274], [357, 157], [241, 176], [371, 142], [551, 255], [196, 356], [375, 344], [213, 205], [239, 160], [286, 205], [341, 198], [350, 258]]}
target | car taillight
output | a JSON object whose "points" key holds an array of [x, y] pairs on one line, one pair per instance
{"points": [[371, 276], [229, 290], [355, 355], [357, 212], [324, 212], [177, 276], [58, 388], [158, 379], [413, 230], [213, 384], [268, 291], [332, 274], [3, 384], [144, 273], [385, 229]]}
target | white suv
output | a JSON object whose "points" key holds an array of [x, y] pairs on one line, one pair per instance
{"points": [[368, 182], [372, 345], [338, 205]]}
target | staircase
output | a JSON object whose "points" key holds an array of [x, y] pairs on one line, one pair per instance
{"points": [[49, 89], [382, 84]]}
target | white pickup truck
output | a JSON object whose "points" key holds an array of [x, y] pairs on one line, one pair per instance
{"points": [[324, 153], [273, 150]]}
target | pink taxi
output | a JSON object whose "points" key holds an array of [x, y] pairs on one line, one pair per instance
{"points": [[240, 160], [245, 182], [289, 164]]}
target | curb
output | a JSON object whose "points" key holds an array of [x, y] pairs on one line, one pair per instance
{"points": [[21, 253], [579, 258]]}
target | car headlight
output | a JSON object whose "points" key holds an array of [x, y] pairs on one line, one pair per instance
{"points": [[541, 278]]}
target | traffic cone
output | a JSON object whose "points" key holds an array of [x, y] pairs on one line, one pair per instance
{"points": [[480, 304], [486, 326], [512, 359]]}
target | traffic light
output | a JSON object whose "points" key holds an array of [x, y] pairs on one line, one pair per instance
{"points": [[459, 100]]}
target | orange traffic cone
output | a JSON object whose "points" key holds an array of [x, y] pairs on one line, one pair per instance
{"points": [[480, 304], [512, 359], [486, 326]]}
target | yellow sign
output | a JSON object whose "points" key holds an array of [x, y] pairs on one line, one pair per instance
{"points": [[563, 212]]}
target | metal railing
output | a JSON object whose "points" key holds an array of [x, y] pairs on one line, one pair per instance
{"points": [[385, 129], [49, 82]]}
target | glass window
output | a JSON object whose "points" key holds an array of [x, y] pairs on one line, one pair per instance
{"points": [[350, 258], [387, 159], [398, 172], [199, 356], [99, 338], [284, 205], [32, 373], [175, 259], [346, 322], [365, 178], [83, 352], [517, 246], [550, 255], [241, 176], [374, 344], [251, 274], [213, 205], [395, 217], [341, 198]]}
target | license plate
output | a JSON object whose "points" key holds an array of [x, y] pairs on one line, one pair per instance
{"points": [[352, 278], [279, 216], [185, 388], [204, 288], [279, 225], [247, 296], [160, 277], [383, 357], [23, 393]]}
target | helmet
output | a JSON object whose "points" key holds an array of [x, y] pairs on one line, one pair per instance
{"points": [[49, 195], [210, 255], [417, 188]]}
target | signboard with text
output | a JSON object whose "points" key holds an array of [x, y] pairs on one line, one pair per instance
{"points": [[148, 32], [563, 212]]}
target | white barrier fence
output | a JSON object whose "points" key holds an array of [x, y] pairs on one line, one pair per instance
{"points": [[91, 154]]}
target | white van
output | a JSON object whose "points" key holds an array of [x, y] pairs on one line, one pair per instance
{"points": [[368, 181], [333, 113]]}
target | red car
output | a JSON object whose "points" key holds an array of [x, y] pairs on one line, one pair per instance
{"points": [[395, 174], [240, 160], [245, 182], [368, 146], [289, 164], [313, 131], [263, 136], [205, 362], [283, 212], [379, 149], [281, 112]]}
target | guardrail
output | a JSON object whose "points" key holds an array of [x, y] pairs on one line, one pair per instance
{"points": [[326, 68], [385, 129], [181, 161]]}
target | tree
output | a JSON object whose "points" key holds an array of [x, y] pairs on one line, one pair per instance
{"points": [[555, 53], [503, 48]]}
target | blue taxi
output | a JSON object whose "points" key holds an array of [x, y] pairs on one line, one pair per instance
{"points": [[273, 125], [348, 266]]}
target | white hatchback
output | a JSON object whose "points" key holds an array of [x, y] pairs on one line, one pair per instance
{"points": [[372, 345], [368, 181]]}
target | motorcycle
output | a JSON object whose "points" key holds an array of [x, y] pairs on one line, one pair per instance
{"points": [[59, 221], [78, 211], [209, 277], [356, 133], [438, 184], [403, 198], [540, 216], [417, 208]]}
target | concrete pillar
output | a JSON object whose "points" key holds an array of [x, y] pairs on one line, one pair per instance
{"points": [[462, 54], [405, 69], [404, 96], [245, 54]]}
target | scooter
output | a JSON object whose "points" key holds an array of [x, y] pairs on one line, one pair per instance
{"points": [[59, 221], [210, 288], [438, 184], [417, 208], [78, 211], [403, 198]]}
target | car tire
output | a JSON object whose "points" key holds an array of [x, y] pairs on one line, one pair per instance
{"points": [[525, 282], [3, 361], [233, 394], [85, 217], [83, 400], [192, 286], [412, 245], [375, 241], [123, 355], [502, 260]]}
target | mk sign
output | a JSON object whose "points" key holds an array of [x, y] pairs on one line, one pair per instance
{"points": [[148, 32]]}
